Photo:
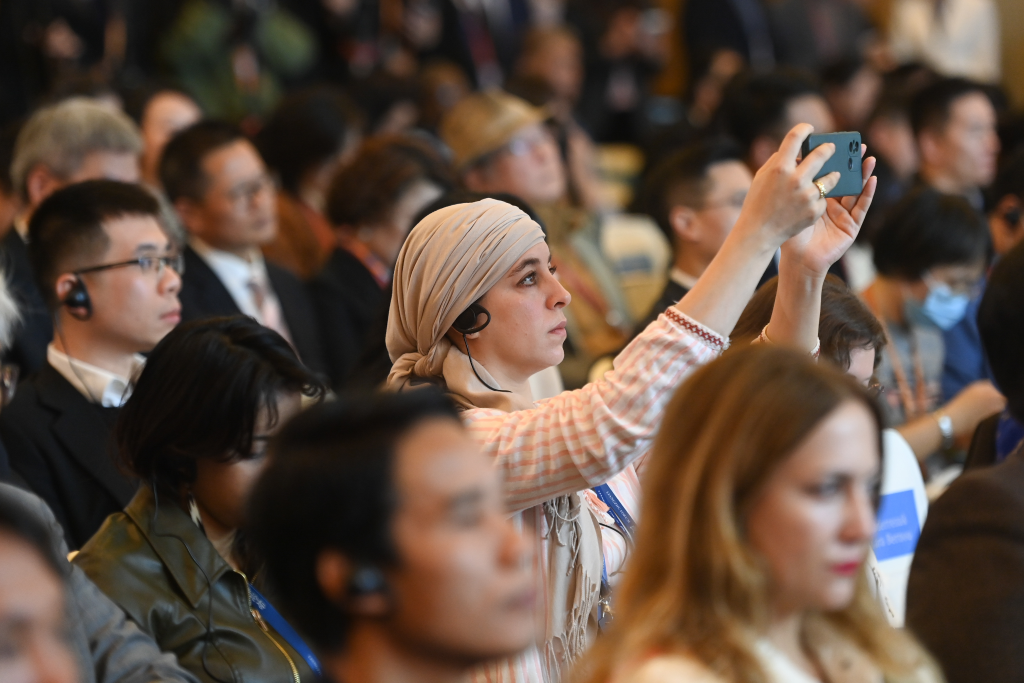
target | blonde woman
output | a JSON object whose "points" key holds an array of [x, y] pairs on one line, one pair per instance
{"points": [[759, 511], [478, 309]]}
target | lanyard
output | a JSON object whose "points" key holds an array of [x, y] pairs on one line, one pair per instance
{"points": [[284, 629], [625, 522], [617, 510]]}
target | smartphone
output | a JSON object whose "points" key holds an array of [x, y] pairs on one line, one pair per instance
{"points": [[846, 160]]}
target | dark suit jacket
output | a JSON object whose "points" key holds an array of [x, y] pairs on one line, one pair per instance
{"points": [[672, 293], [348, 302], [59, 445], [36, 328], [965, 597], [982, 452], [203, 295]]}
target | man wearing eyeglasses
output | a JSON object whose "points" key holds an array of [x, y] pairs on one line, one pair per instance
{"points": [[225, 197], [695, 196], [110, 277]]}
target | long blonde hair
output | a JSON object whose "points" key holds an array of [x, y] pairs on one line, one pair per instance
{"points": [[694, 585]]}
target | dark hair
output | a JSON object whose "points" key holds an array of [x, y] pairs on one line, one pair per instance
{"points": [[181, 164], [841, 72], [754, 104], [1009, 180], [365, 190], [8, 136], [21, 522], [927, 229], [891, 106], [845, 323], [306, 129], [66, 231], [379, 93], [930, 107], [683, 179], [337, 458], [460, 196], [200, 394], [1001, 325]]}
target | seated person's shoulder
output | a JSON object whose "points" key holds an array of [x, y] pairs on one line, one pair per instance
{"points": [[118, 549], [25, 405], [985, 494], [675, 668]]}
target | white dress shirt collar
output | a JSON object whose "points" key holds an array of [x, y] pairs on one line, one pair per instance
{"points": [[96, 384], [21, 226], [682, 279], [236, 274]]}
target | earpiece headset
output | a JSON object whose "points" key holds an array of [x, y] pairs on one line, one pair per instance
{"points": [[366, 580], [1012, 216], [466, 324], [77, 300]]}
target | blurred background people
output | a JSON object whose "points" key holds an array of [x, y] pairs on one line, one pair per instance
{"points": [[695, 196], [402, 564], [197, 440], [970, 547], [308, 137], [225, 197], [930, 256], [956, 38], [955, 126], [159, 112], [758, 110], [372, 202]]}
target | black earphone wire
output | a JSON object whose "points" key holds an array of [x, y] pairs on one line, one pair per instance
{"points": [[466, 342], [71, 361], [208, 638]]}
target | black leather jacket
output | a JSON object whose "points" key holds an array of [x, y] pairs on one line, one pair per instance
{"points": [[160, 568]]}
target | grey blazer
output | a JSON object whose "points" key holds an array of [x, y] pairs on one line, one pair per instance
{"points": [[109, 647]]}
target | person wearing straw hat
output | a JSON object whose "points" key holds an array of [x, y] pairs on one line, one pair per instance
{"points": [[477, 309]]}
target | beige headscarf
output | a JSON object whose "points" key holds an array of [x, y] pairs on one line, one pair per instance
{"points": [[451, 259]]}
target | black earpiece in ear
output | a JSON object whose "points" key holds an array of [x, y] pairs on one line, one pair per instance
{"points": [[466, 322], [366, 580], [1012, 216], [77, 300]]}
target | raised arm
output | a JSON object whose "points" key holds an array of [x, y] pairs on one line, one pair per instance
{"points": [[806, 258], [582, 438], [782, 201]]}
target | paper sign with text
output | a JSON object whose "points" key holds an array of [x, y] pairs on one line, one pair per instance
{"points": [[898, 528]]}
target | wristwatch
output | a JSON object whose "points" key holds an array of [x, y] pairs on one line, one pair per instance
{"points": [[945, 428]]}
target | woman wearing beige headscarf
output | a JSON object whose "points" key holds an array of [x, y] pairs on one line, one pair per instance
{"points": [[477, 309]]}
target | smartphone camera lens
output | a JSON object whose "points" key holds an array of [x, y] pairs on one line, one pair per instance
{"points": [[850, 164], [853, 146]]}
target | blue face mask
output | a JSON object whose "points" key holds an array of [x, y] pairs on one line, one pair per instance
{"points": [[942, 307]]}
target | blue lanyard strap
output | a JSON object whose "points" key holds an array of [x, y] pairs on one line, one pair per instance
{"points": [[625, 522], [617, 510], [284, 629]]}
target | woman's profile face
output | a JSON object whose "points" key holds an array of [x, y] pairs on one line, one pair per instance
{"points": [[527, 326], [814, 518]]}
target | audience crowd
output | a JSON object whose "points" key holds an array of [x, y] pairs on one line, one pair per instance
{"points": [[430, 340]]}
